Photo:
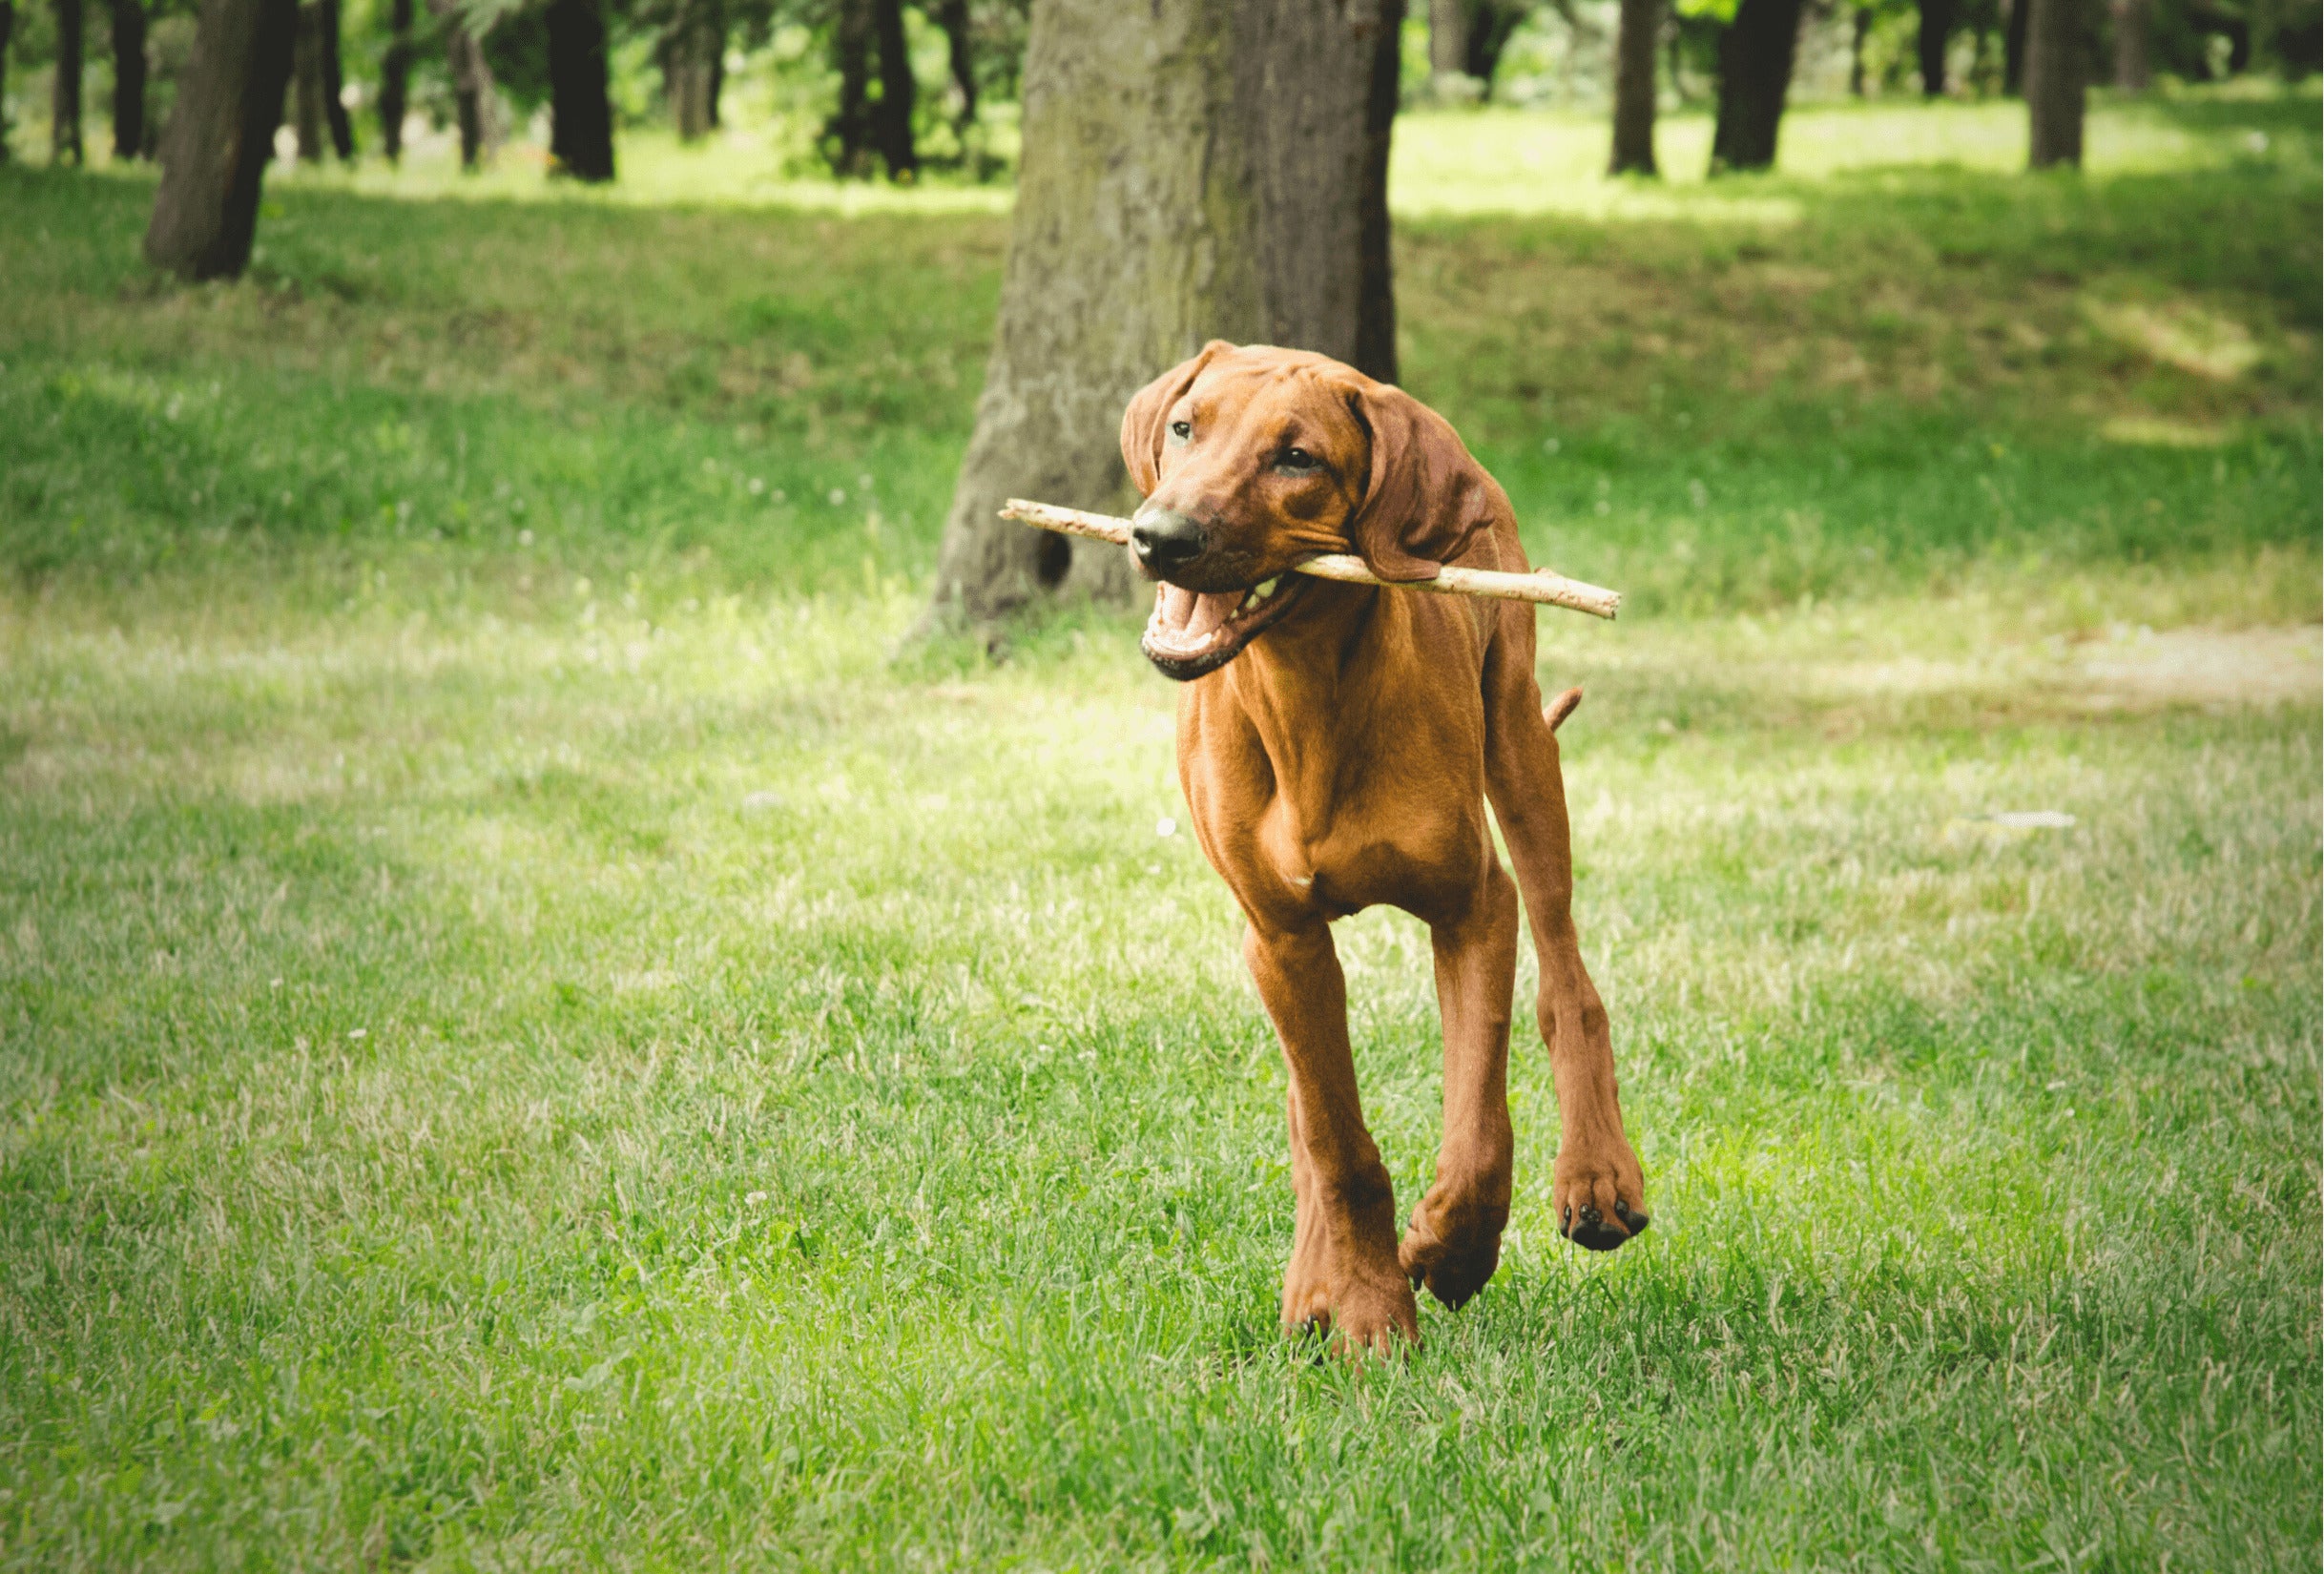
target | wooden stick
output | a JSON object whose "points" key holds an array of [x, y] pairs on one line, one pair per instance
{"points": [[1540, 588]]}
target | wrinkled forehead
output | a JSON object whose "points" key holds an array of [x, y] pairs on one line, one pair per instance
{"points": [[1281, 394]]}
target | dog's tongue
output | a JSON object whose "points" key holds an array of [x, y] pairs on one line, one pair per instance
{"points": [[1192, 614]]}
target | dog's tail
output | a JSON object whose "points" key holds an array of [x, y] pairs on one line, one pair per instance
{"points": [[1562, 707]]}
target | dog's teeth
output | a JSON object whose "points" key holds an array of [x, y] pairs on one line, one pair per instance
{"points": [[1266, 587]]}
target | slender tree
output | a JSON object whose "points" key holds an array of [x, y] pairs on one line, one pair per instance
{"points": [[1936, 35], [7, 33], [335, 84], [892, 116], [1191, 169], [2054, 51], [1376, 278], [580, 116], [395, 79], [221, 133], [128, 78], [1634, 87], [952, 16], [306, 83], [472, 86], [847, 135], [1859, 29], [1756, 55], [65, 98], [1448, 40], [2133, 45], [2013, 47], [690, 48]]}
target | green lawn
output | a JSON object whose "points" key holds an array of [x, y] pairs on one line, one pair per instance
{"points": [[534, 1033]]}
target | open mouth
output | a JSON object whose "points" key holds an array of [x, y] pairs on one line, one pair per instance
{"points": [[1196, 632]]}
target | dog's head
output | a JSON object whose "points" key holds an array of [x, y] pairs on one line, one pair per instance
{"points": [[1253, 459]]}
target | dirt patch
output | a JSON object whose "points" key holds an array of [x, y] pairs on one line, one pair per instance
{"points": [[2207, 666]]}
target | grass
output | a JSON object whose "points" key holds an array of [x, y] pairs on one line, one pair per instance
{"points": [[528, 1038]]}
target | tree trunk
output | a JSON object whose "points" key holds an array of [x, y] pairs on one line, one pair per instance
{"points": [[335, 85], [848, 132], [1857, 35], [1756, 55], [2133, 25], [8, 34], [580, 116], [395, 80], [1937, 19], [2053, 82], [220, 134], [892, 116], [128, 78], [1192, 168], [690, 61], [1448, 40], [1376, 282], [2013, 48], [472, 87], [65, 99], [952, 16], [306, 84], [1634, 87]]}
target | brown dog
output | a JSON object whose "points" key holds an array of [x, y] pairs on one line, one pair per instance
{"points": [[1336, 745]]}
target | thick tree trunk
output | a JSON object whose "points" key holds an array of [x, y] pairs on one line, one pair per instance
{"points": [[952, 16], [335, 85], [1756, 55], [892, 117], [1634, 87], [8, 34], [1492, 25], [1857, 35], [1192, 168], [1937, 19], [220, 134], [1448, 40], [395, 79], [128, 78], [2134, 27], [306, 84], [2054, 82], [2013, 48], [65, 98], [1376, 282], [580, 116]]}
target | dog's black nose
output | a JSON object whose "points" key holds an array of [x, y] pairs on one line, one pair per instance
{"points": [[1164, 540]]}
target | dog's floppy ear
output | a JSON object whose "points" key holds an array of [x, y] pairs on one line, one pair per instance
{"points": [[1143, 421], [1426, 499]]}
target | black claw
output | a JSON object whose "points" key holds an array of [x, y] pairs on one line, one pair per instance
{"points": [[1592, 1219], [1636, 1218]]}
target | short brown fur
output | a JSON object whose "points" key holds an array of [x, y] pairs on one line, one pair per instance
{"points": [[1345, 757]]}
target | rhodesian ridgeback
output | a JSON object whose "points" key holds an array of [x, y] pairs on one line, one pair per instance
{"points": [[1337, 745]]}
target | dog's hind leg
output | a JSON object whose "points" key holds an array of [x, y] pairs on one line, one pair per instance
{"points": [[1453, 1243], [1598, 1191]]}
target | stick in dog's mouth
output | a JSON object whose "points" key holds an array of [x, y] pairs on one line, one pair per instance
{"points": [[1191, 633]]}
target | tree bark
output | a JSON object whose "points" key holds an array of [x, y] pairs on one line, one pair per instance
{"points": [[952, 16], [1375, 353], [128, 78], [2133, 29], [1449, 39], [892, 116], [580, 116], [1634, 87], [1192, 168], [395, 79], [1937, 19], [1756, 55], [690, 64], [306, 84], [2013, 48], [848, 131], [2054, 82], [472, 87], [220, 134], [335, 85], [65, 98]]}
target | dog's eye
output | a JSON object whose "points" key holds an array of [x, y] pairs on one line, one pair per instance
{"points": [[1181, 430], [1296, 459]]}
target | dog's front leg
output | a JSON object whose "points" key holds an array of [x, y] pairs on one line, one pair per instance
{"points": [[1344, 1271]]}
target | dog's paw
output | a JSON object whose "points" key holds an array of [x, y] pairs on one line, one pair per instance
{"points": [[1376, 1315], [1600, 1201], [1452, 1248]]}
